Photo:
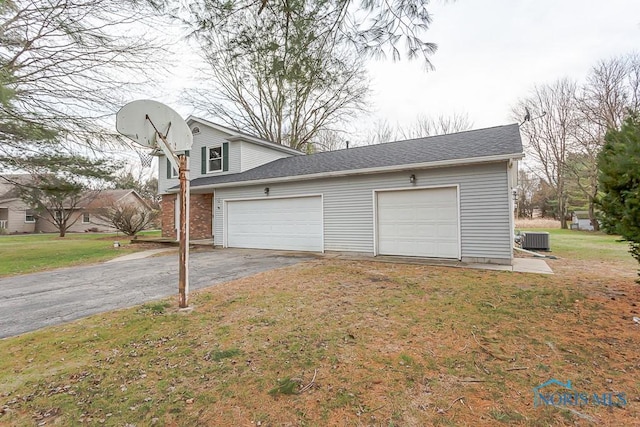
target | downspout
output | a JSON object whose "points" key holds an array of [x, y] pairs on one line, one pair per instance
{"points": [[512, 168]]}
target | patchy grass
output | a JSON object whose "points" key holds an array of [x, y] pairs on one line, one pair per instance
{"points": [[29, 253], [590, 255], [341, 342], [588, 245], [526, 223]]}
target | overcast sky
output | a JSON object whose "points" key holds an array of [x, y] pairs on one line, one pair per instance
{"points": [[491, 53]]}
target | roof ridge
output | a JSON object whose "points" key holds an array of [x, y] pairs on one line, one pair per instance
{"points": [[452, 133], [488, 144], [410, 139]]}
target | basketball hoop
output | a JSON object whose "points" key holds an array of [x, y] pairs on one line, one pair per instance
{"points": [[153, 125], [145, 159]]}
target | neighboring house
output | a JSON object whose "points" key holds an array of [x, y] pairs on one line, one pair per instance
{"points": [[18, 217], [445, 196], [581, 221], [15, 215], [85, 216]]}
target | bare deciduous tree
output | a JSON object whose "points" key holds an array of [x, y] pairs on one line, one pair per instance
{"points": [[611, 91], [329, 140], [285, 70], [382, 132], [441, 125], [527, 187], [126, 217], [58, 186], [550, 135], [64, 66], [54, 199], [279, 80], [422, 126]]}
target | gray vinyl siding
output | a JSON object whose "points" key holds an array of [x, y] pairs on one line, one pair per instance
{"points": [[254, 155], [242, 156], [207, 137], [348, 204], [163, 183]]}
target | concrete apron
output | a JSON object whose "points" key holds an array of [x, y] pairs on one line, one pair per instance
{"points": [[519, 265], [141, 254]]}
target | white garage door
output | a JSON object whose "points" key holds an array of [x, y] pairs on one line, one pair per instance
{"points": [[288, 224], [418, 223]]}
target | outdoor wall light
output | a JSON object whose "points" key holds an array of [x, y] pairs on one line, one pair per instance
{"points": [[266, 190], [412, 179]]}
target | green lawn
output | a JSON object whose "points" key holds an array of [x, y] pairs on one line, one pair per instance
{"points": [[334, 342], [585, 245], [22, 254]]}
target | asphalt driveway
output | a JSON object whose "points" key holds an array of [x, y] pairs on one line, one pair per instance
{"points": [[33, 301]]}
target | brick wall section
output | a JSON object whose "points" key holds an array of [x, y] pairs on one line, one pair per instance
{"points": [[200, 212], [201, 216], [167, 214]]}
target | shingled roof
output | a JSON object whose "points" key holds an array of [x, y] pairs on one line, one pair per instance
{"points": [[490, 143]]}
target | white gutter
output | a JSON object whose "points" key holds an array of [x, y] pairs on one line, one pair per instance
{"points": [[367, 171]]}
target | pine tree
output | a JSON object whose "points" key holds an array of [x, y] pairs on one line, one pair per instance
{"points": [[619, 165]]}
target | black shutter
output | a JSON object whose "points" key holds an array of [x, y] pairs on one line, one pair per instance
{"points": [[203, 160], [225, 156], [169, 167]]}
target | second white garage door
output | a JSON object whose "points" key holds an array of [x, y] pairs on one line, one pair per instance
{"points": [[280, 223], [420, 223]]}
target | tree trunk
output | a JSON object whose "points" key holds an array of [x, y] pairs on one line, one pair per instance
{"points": [[592, 216], [562, 206], [563, 221]]}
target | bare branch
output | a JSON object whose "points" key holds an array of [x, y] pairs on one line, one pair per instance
{"points": [[66, 65], [280, 80]]}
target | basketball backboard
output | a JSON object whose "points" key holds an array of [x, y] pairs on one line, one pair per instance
{"points": [[142, 121], [156, 126]]}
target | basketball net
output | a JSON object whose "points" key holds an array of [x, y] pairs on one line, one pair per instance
{"points": [[145, 158]]}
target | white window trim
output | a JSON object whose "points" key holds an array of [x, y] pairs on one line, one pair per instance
{"points": [[26, 221], [209, 149], [88, 215], [174, 173]]}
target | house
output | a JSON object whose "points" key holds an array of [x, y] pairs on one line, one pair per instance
{"points": [[17, 217], [580, 220], [216, 151], [445, 196], [85, 217]]}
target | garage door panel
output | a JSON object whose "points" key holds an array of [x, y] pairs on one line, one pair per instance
{"points": [[284, 223], [421, 222], [445, 231], [446, 213]]}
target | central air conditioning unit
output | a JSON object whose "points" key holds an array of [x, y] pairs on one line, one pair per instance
{"points": [[537, 240]]}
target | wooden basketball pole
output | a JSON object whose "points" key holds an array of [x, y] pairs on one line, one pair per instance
{"points": [[183, 280]]}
